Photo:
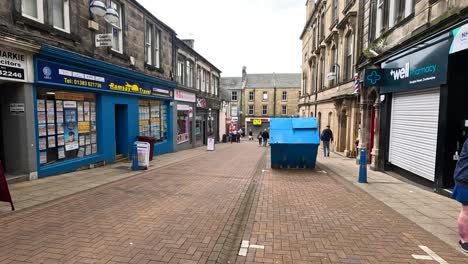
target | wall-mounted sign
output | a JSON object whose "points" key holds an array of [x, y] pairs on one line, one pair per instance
{"points": [[201, 102], [257, 122], [17, 108], [423, 66], [12, 65], [373, 77], [103, 40], [184, 96], [460, 39], [55, 73]]}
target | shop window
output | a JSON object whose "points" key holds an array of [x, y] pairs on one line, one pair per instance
{"points": [[33, 9], [61, 15], [183, 124], [66, 125], [153, 119]]}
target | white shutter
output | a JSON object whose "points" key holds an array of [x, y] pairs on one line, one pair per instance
{"points": [[413, 132]]}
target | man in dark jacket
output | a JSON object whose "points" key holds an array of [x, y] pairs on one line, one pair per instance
{"points": [[460, 193], [326, 137], [265, 137]]}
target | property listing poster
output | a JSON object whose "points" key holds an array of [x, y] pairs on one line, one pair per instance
{"points": [[71, 126]]}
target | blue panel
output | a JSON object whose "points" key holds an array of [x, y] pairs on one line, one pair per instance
{"points": [[298, 123], [282, 131]]}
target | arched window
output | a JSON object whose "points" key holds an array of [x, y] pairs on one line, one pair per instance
{"points": [[349, 56]]}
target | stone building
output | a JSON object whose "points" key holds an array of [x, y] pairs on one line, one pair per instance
{"points": [[80, 88], [269, 95], [412, 94], [196, 96], [329, 55], [234, 86]]}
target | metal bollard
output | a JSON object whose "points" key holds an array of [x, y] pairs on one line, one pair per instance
{"points": [[135, 166], [363, 166]]}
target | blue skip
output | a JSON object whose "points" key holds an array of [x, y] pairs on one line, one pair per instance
{"points": [[294, 142]]}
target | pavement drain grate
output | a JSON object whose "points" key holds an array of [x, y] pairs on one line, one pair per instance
{"points": [[122, 167]]}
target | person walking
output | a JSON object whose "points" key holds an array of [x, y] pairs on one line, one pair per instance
{"points": [[231, 136], [239, 135], [250, 135], [326, 137], [460, 193], [265, 137], [260, 137]]}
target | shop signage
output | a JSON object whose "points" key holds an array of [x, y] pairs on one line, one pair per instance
{"points": [[103, 40], [54, 73], [235, 118], [460, 39], [84, 127], [182, 107], [424, 66], [257, 122], [12, 65], [180, 95], [17, 108], [201, 102]]}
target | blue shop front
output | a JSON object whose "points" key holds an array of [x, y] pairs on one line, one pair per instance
{"points": [[90, 112]]}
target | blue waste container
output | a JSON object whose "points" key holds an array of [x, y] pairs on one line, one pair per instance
{"points": [[294, 142]]}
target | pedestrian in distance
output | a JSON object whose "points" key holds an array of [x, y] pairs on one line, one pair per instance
{"points": [[326, 137], [265, 137], [260, 138], [250, 135], [239, 134], [231, 136], [460, 193]]}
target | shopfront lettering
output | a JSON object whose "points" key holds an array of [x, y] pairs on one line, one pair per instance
{"points": [[12, 55], [55, 73]]}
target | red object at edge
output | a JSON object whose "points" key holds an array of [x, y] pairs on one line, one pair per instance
{"points": [[4, 191]]}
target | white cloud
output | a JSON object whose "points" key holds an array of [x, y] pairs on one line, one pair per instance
{"points": [[260, 34]]}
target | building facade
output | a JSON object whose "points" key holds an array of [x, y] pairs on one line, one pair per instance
{"points": [[412, 92], [197, 98], [234, 86], [269, 95], [329, 55], [76, 100]]}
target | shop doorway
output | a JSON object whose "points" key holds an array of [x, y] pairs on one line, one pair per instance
{"points": [[343, 129], [121, 128], [2, 153], [457, 114]]}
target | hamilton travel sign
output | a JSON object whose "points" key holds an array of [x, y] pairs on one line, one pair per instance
{"points": [[55, 73]]}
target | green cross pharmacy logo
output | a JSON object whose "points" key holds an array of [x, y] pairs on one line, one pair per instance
{"points": [[374, 77]]}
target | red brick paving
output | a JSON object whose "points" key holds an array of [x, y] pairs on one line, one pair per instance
{"points": [[196, 211]]}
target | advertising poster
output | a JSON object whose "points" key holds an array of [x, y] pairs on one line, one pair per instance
{"points": [[60, 140], [61, 153], [42, 130], [79, 106], [41, 117], [88, 150], [43, 157], [51, 129], [59, 105], [42, 143], [84, 127], [41, 105], [71, 128], [92, 107], [51, 142], [93, 116], [93, 126], [93, 138], [81, 152], [86, 112], [88, 139], [94, 148]]}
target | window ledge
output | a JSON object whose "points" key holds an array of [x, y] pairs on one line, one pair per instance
{"points": [[349, 4], [22, 20], [150, 67], [399, 24], [117, 54]]}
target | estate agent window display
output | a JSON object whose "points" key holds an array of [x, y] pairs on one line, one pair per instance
{"points": [[153, 119], [66, 125]]}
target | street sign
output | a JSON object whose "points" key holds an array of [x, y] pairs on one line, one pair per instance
{"points": [[17, 108], [103, 40]]}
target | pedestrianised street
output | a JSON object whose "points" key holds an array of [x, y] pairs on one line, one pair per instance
{"points": [[224, 206]]}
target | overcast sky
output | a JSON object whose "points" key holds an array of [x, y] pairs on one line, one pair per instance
{"points": [[260, 34]]}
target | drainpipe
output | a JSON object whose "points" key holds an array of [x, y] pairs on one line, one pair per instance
{"points": [[274, 95]]}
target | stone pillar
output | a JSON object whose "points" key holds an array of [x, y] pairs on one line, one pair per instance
{"points": [[375, 150], [348, 132]]}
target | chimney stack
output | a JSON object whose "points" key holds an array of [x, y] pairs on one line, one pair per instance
{"points": [[189, 42]]}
